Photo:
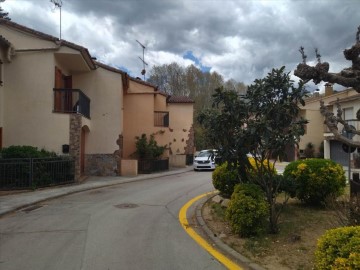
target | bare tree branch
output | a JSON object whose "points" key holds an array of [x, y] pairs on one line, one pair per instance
{"points": [[348, 77], [332, 123]]}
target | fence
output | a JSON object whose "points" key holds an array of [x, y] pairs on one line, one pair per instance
{"points": [[189, 159], [153, 165], [36, 172]]}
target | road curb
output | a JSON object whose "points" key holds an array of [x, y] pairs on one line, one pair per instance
{"points": [[39, 196], [217, 241]]}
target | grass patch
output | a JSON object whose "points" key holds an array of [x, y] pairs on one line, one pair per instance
{"points": [[292, 248], [218, 211]]}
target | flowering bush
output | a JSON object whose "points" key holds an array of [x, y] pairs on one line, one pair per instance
{"points": [[247, 210], [316, 179], [266, 168], [225, 179], [339, 249]]}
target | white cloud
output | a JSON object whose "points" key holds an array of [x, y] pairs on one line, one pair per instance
{"points": [[243, 40]]}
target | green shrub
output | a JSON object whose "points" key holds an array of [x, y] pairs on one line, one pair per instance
{"points": [[339, 249], [25, 151], [316, 179], [247, 210], [148, 149], [224, 179]]}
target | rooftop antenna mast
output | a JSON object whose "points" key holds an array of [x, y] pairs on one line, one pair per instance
{"points": [[143, 72], [58, 4]]}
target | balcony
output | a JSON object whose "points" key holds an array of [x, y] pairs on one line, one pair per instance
{"points": [[71, 101], [161, 119]]}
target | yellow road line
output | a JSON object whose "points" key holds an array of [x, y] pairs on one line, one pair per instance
{"points": [[201, 241]]}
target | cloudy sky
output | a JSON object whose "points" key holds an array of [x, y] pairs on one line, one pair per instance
{"points": [[240, 39]]}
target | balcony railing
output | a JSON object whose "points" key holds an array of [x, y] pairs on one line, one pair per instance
{"points": [[152, 165], [71, 101], [161, 119]]}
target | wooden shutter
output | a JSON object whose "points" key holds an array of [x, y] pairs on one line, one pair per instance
{"points": [[59, 83]]}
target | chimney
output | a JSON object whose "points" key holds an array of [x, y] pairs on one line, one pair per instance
{"points": [[328, 89]]}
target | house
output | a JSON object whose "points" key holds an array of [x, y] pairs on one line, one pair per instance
{"points": [[168, 118], [334, 149], [316, 131], [54, 95]]}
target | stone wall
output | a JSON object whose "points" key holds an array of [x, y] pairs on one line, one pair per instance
{"points": [[101, 164], [75, 142], [190, 142]]}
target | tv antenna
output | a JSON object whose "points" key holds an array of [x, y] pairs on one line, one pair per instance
{"points": [[143, 72], [58, 4]]}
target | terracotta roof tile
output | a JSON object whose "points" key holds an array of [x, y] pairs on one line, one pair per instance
{"points": [[4, 41], [44, 36], [110, 68]]}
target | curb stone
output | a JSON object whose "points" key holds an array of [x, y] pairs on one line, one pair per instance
{"points": [[15, 202], [217, 242]]}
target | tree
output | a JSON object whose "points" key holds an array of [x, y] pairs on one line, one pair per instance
{"points": [[263, 122], [4, 15], [348, 77], [194, 83]]}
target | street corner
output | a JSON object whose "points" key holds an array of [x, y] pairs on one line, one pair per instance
{"points": [[224, 260]]}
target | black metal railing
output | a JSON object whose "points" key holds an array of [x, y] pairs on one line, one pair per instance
{"points": [[24, 173], [153, 165], [189, 159], [71, 101], [161, 119]]}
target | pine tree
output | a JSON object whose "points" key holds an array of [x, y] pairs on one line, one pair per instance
{"points": [[3, 14]]}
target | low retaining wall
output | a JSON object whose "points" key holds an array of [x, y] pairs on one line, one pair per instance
{"points": [[177, 161], [129, 167], [100, 165]]}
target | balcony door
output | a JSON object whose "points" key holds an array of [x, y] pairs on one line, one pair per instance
{"points": [[63, 99]]}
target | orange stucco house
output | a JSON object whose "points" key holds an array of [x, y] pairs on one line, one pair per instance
{"points": [[55, 95]]}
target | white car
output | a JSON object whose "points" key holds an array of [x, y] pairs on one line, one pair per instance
{"points": [[205, 160]]}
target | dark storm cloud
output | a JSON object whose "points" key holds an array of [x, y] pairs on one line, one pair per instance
{"points": [[243, 40]]}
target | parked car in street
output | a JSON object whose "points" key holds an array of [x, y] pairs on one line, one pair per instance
{"points": [[205, 160]]}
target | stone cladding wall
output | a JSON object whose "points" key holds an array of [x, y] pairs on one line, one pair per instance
{"points": [[75, 142], [101, 164]]}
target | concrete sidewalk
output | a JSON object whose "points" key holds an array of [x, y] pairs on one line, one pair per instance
{"points": [[13, 202]]}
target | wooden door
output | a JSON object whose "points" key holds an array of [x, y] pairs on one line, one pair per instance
{"points": [[68, 107], [59, 83]]}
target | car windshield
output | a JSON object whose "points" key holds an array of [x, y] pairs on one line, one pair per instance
{"points": [[205, 154]]}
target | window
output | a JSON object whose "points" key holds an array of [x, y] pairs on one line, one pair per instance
{"points": [[161, 119]]}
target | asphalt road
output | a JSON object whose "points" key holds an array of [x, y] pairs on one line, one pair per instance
{"points": [[127, 226]]}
